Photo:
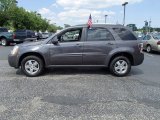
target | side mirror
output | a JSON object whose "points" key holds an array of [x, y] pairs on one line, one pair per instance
{"points": [[55, 41]]}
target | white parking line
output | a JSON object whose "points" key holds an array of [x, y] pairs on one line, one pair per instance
{"points": [[149, 55]]}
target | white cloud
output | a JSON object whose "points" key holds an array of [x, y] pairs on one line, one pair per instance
{"points": [[73, 16], [48, 14], [44, 11], [77, 11], [81, 15], [91, 4], [54, 5]]}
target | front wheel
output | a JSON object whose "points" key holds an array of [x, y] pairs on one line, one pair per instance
{"points": [[32, 66], [4, 42], [120, 66]]}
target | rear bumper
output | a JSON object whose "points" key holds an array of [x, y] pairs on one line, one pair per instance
{"points": [[138, 59], [13, 61], [158, 48], [18, 40]]}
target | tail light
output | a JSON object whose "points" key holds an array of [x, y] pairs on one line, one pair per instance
{"points": [[140, 47], [14, 36], [158, 43]]}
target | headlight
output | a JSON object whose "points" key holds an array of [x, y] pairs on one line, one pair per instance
{"points": [[15, 50]]}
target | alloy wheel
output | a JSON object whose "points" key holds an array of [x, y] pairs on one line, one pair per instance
{"points": [[121, 67], [32, 67], [3, 42]]}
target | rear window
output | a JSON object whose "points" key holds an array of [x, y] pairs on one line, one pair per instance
{"points": [[99, 34], [3, 30], [20, 30], [124, 34]]}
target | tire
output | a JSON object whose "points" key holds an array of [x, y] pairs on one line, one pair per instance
{"points": [[149, 49], [120, 70], [4, 42], [32, 66]]}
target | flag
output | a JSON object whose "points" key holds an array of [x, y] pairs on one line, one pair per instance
{"points": [[90, 21]]}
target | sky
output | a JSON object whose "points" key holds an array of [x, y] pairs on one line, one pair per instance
{"points": [[75, 12]]}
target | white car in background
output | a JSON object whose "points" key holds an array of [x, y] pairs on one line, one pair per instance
{"points": [[151, 43], [45, 35]]}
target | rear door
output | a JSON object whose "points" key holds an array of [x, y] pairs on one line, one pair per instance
{"points": [[99, 42]]}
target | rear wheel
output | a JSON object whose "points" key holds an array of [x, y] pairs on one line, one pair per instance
{"points": [[120, 66], [149, 49], [4, 42], [32, 66]]}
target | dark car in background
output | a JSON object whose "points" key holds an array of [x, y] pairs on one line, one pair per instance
{"points": [[112, 46], [24, 35], [19, 36], [5, 37]]}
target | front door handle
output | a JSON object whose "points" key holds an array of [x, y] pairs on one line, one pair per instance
{"points": [[110, 43], [79, 45]]}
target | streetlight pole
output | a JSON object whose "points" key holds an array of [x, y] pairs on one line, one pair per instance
{"points": [[105, 18], [150, 26], [124, 5]]}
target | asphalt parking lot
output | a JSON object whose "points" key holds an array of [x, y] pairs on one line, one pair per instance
{"points": [[80, 94]]}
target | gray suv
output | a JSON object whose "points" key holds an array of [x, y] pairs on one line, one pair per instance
{"points": [[112, 46]]}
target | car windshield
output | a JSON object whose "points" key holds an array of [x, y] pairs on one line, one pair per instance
{"points": [[157, 37]]}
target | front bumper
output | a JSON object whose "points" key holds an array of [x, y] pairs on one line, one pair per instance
{"points": [[13, 61]]}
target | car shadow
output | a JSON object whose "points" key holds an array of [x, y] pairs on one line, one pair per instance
{"points": [[153, 52], [73, 71], [136, 71], [19, 72], [70, 71]]}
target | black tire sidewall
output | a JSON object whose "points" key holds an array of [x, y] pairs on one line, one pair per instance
{"points": [[40, 62], [112, 64]]}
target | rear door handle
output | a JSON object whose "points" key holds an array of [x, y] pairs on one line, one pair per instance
{"points": [[110, 43]]}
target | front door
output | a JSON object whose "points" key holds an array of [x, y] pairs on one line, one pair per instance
{"points": [[99, 42], [69, 49]]}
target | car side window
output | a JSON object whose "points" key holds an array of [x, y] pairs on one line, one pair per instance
{"points": [[148, 37], [70, 36], [145, 38], [3, 30], [124, 34], [99, 34]]}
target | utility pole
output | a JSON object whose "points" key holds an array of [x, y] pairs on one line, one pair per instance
{"points": [[150, 25], [146, 26], [105, 18], [124, 5]]}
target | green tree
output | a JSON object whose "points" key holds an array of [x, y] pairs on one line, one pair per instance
{"points": [[5, 7], [18, 18], [132, 26]]}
